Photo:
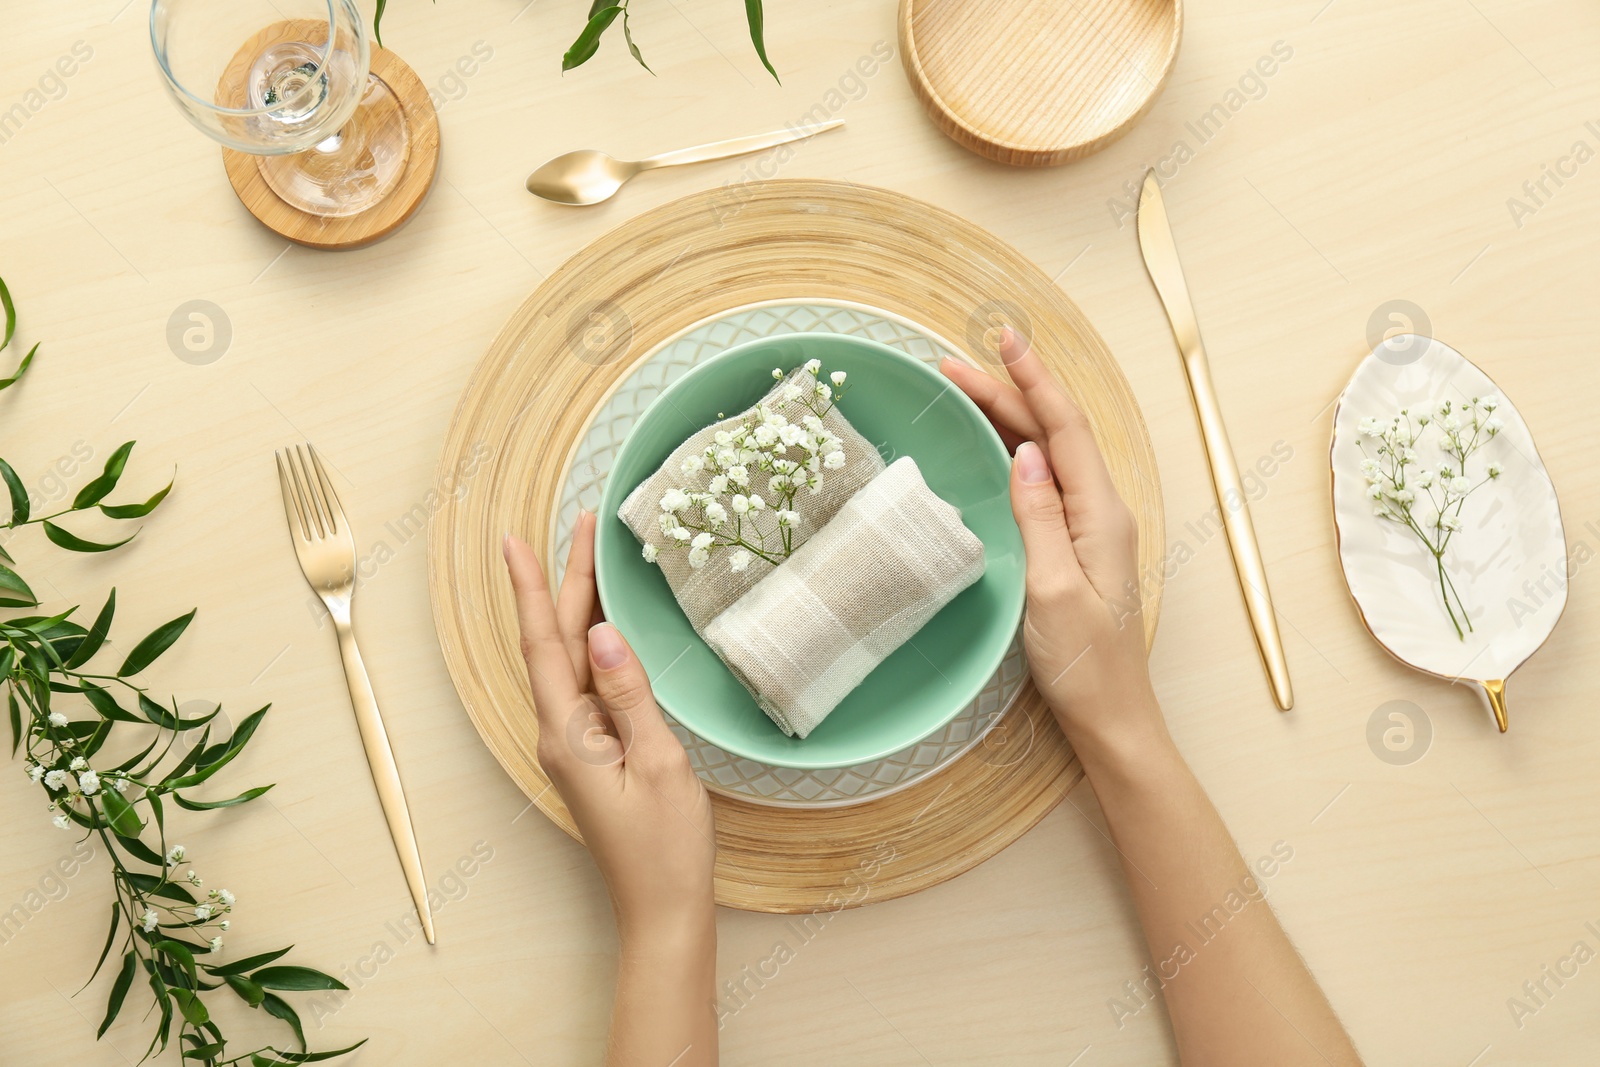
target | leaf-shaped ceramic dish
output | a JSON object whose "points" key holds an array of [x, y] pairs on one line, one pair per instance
{"points": [[1508, 562]]}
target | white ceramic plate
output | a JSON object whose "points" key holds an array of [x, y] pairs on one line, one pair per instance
{"points": [[586, 475], [1509, 560]]}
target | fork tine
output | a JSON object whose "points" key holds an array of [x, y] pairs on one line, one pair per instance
{"points": [[291, 503], [330, 499], [308, 499]]}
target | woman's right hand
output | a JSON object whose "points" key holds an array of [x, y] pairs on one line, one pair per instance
{"points": [[1085, 627]]}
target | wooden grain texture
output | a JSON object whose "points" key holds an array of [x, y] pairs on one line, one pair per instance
{"points": [[352, 231], [1037, 83], [1375, 164], [534, 395]]}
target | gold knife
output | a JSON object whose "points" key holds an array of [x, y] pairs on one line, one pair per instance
{"points": [[1161, 260]]}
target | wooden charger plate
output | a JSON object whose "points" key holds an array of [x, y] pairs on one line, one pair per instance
{"points": [[1036, 83], [531, 397]]}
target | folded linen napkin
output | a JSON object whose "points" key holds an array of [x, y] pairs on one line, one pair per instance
{"points": [[813, 628], [705, 591]]}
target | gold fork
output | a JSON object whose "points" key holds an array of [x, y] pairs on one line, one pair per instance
{"points": [[327, 552]]}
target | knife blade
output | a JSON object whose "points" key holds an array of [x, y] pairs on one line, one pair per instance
{"points": [[1161, 260]]}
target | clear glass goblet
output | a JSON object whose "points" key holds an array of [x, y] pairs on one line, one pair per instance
{"points": [[288, 82]]}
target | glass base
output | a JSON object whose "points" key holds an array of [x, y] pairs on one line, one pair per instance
{"points": [[354, 169]]}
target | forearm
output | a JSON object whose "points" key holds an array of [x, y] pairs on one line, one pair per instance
{"points": [[1236, 990], [666, 991]]}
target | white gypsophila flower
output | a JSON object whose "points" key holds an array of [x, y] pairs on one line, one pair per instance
{"points": [[36, 772], [666, 521], [1494, 426], [694, 464], [202, 912], [834, 460], [741, 503], [1459, 485], [148, 920], [226, 897], [814, 484], [224, 924], [766, 436], [837, 377], [57, 719], [723, 438], [650, 552], [789, 519], [739, 476], [55, 779], [716, 514], [1371, 427], [176, 854], [89, 782], [740, 560], [1405, 496], [679, 534], [792, 392], [719, 484], [1495, 470], [757, 502], [1375, 491], [777, 374], [674, 501], [78, 763], [194, 879], [62, 822], [698, 557], [216, 944], [813, 365], [701, 540], [1490, 403], [1423, 479], [1451, 423], [1450, 522], [1370, 468], [119, 784], [824, 391], [777, 484]]}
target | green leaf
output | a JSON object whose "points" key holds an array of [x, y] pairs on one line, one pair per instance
{"points": [[295, 978], [102, 701], [73, 543], [120, 814], [633, 49], [111, 935], [154, 644], [14, 592], [16, 719], [96, 635], [20, 509], [22, 368], [588, 42], [119, 991], [753, 14], [190, 1006], [137, 511], [377, 22], [235, 745], [182, 954], [151, 886], [203, 1052], [315, 1057], [208, 805], [11, 315], [171, 720], [97, 490], [249, 963], [140, 851], [279, 1008], [248, 991]]}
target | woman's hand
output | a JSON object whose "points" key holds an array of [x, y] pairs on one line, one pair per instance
{"points": [[627, 781], [1085, 628]]}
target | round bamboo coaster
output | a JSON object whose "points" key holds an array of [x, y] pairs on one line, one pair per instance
{"points": [[1036, 83], [351, 231], [562, 352]]}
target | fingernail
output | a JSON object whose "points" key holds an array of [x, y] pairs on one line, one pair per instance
{"points": [[505, 546], [1013, 346], [1031, 465], [606, 646]]}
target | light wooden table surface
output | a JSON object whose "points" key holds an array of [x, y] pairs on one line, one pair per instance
{"points": [[1375, 164]]}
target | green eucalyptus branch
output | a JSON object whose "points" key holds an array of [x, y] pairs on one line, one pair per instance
{"points": [[170, 927], [602, 13]]}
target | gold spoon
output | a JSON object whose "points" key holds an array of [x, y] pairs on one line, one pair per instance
{"points": [[589, 176]]}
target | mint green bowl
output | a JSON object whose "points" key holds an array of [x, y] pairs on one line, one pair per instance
{"points": [[906, 408]]}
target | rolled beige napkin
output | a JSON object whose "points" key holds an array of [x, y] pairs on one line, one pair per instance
{"points": [[815, 627], [705, 591]]}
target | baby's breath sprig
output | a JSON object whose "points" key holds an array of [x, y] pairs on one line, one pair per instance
{"points": [[66, 712], [792, 455], [1427, 499]]}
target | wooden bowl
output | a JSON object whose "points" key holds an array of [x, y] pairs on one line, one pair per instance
{"points": [[1038, 83]]}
